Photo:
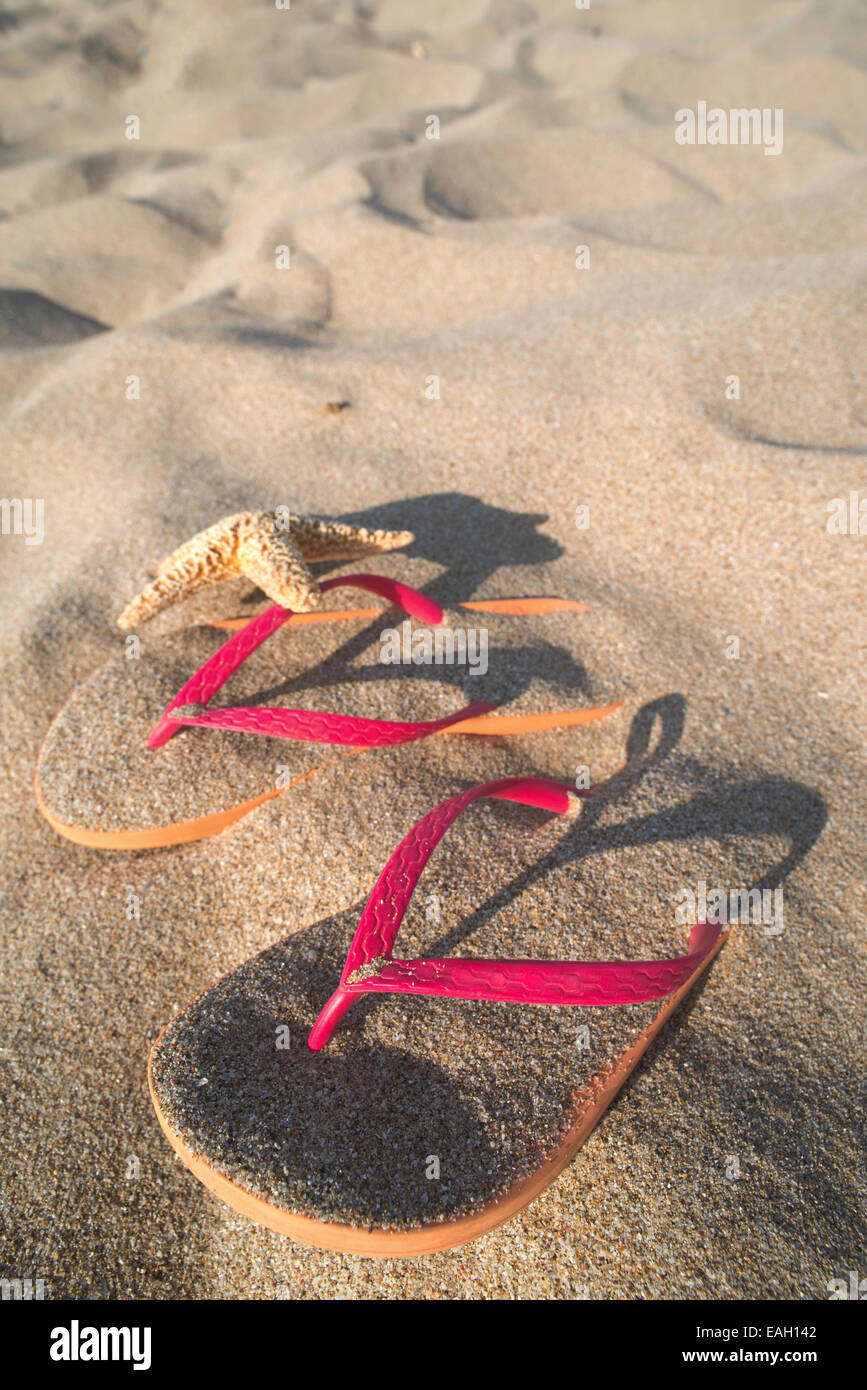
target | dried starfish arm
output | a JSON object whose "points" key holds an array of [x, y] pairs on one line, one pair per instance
{"points": [[206, 558], [333, 540], [271, 557], [213, 551]]}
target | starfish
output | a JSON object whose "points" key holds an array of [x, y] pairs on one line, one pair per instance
{"points": [[270, 548]]}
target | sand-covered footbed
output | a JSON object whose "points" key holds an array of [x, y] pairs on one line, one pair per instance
{"points": [[434, 359], [348, 1134]]}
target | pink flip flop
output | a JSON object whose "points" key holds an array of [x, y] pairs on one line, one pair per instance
{"points": [[98, 770], [409, 1127]]}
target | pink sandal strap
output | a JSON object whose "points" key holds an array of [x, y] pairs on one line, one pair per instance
{"points": [[314, 726], [202, 686], [370, 968]]}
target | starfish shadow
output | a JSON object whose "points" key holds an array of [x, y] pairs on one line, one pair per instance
{"points": [[482, 539]]}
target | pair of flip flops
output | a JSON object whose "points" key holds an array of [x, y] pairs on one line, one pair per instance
{"points": [[302, 1088]]}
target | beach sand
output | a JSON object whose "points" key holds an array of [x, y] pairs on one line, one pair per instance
{"points": [[432, 358]]}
